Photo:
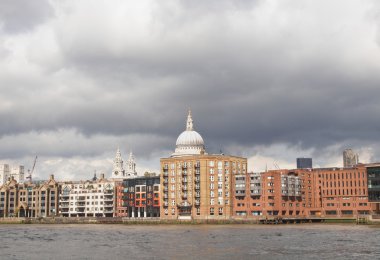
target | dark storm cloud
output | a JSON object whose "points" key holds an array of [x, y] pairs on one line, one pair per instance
{"points": [[22, 15], [253, 72]]}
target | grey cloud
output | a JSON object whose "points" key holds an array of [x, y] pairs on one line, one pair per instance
{"points": [[22, 15], [250, 79]]}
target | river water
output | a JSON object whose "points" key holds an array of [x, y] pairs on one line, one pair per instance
{"points": [[295, 241]]}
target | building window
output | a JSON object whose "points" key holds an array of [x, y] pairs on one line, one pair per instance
{"points": [[211, 211], [220, 211]]}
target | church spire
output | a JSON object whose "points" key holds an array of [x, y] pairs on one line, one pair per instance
{"points": [[189, 123], [131, 166], [118, 169]]}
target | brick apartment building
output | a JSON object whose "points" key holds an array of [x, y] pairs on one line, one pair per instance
{"points": [[323, 192], [195, 184]]}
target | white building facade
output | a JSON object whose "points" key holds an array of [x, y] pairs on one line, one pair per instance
{"points": [[87, 198]]}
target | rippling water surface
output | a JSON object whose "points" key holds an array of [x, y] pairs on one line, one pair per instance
{"points": [[189, 242]]}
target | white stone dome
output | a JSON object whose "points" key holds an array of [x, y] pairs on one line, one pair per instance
{"points": [[189, 142], [189, 138]]}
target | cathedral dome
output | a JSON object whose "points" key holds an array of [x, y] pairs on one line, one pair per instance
{"points": [[189, 138], [189, 142]]}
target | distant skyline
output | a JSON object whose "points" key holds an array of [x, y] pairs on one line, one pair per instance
{"points": [[268, 80]]}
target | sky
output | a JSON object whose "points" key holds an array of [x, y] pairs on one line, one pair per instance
{"points": [[267, 80]]}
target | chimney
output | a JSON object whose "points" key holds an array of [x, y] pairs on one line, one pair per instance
{"points": [[51, 176], [102, 176]]}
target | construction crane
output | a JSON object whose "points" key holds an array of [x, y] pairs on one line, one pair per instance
{"points": [[30, 172], [276, 165]]}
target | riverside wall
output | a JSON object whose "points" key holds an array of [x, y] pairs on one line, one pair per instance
{"points": [[158, 221]]}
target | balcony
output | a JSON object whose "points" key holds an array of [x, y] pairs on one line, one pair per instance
{"points": [[240, 193], [197, 172], [197, 187], [197, 165], [166, 189], [184, 173], [165, 173], [184, 180], [255, 191], [166, 204], [184, 188], [197, 202], [166, 196], [64, 205], [166, 181], [184, 196], [197, 195]]}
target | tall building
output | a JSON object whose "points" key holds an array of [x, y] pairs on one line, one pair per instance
{"points": [[350, 158], [6, 172], [195, 184], [304, 163]]}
